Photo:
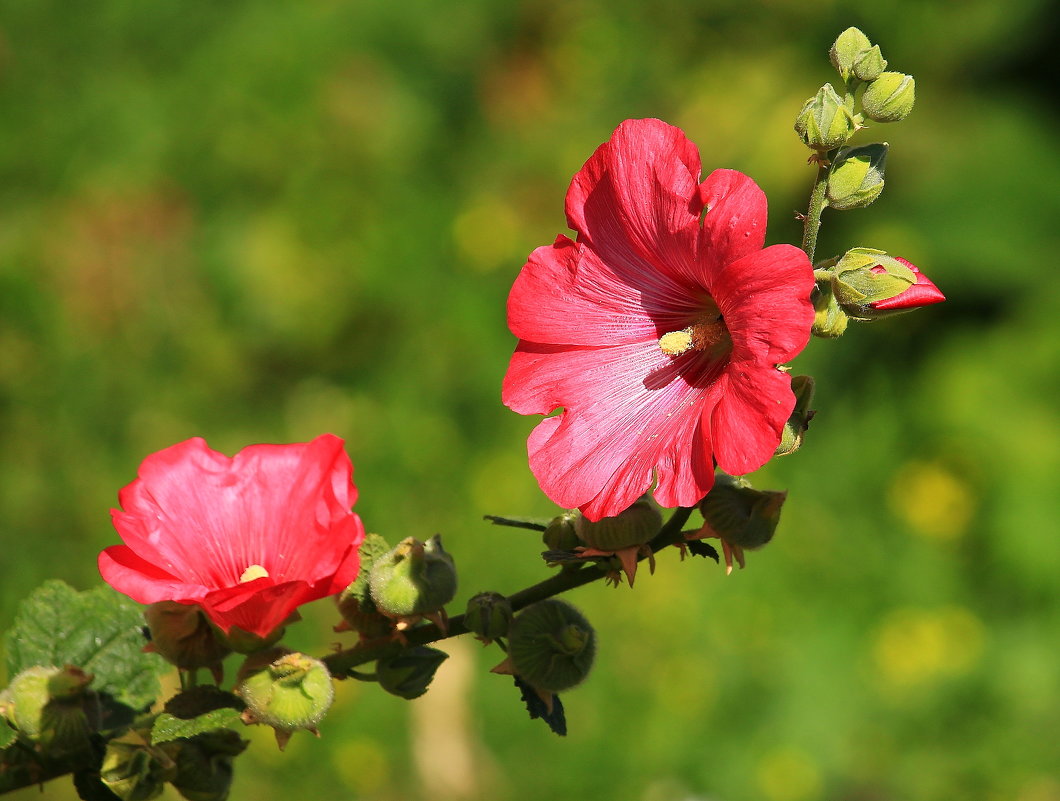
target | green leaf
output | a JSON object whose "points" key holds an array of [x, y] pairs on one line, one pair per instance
{"points": [[7, 734], [169, 727], [99, 631]]}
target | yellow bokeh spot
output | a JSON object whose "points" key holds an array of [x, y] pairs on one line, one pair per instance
{"points": [[931, 500], [919, 646], [788, 774], [363, 766], [253, 572]]}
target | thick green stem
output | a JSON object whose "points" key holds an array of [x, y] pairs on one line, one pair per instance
{"points": [[340, 663], [811, 223]]}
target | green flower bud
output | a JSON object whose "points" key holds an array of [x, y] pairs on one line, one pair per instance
{"points": [[855, 178], [825, 122], [285, 690], [829, 321], [415, 578], [410, 672], [204, 764], [551, 645], [847, 49], [46, 705], [890, 97], [870, 64], [488, 615], [355, 602], [739, 514], [134, 773], [869, 284], [634, 526], [799, 421], [181, 634], [560, 534]]}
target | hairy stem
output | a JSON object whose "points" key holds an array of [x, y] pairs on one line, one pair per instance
{"points": [[811, 223]]}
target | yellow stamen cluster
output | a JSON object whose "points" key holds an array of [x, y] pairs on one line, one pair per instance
{"points": [[253, 572]]}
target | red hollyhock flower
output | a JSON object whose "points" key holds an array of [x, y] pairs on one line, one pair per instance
{"points": [[658, 332], [248, 538]]}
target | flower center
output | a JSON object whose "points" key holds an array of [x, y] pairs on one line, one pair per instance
{"points": [[253, 572], [709, 336]]}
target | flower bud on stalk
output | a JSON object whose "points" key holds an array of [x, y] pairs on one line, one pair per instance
{"points": [[413, 579], [408, 674], [204, 764], [355, 603], [181, 634], [890, 97], [285, 690], [829, 321], [855, 178], [134, 772], [825, 122], [870, 64], [791, 439], [551, 646], [847, 50], [869, 284], [740, 516], [46, 705], [488, 616], [635, 526], [561, 535]]}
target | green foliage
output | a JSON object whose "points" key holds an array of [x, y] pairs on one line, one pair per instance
{"points": [[97, 630], [7, 734], [167, 727]]}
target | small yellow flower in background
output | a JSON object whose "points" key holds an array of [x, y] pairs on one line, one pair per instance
{"points": [[931, 500]]}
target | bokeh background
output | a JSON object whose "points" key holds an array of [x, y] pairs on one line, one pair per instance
{"points": [[259, 221]]}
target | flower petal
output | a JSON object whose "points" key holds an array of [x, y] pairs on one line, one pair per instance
{"points": [[636, 201], [142, 580], [566, 295], [749, 417], [630, 410], [734, 224], [765, 300]]}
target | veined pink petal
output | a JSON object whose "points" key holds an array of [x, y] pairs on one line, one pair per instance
{"points": [[734, 224], [765, 300], [565, 294], [636, 201], [602, 455]]}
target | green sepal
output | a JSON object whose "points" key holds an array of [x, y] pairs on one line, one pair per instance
{"points": [[98, 630], [825, 121]]}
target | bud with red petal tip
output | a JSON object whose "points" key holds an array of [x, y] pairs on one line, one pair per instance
{"points": [[890, 97], [551, 646], [285, 690], [869, 284]]}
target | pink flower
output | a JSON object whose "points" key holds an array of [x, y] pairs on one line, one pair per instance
{"points": [[249, 538], [658, 332]]}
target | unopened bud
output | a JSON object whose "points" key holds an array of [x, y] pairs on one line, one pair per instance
{"points": [[415, 578], [560, 535], [799, 420], [134, 773], [869, 284], [870, 64], [633, 526], [204, 764], [829, 321], [45, 704], [181, 634], [825, 122], [410, 672], [739, 514], [488, 615], [551, 645], [855, 178], [847, 49], [355, 602], [288, 691], [890, 97]]}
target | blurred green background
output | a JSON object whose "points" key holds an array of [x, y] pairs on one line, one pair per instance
{"points": [[260, 221]]}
